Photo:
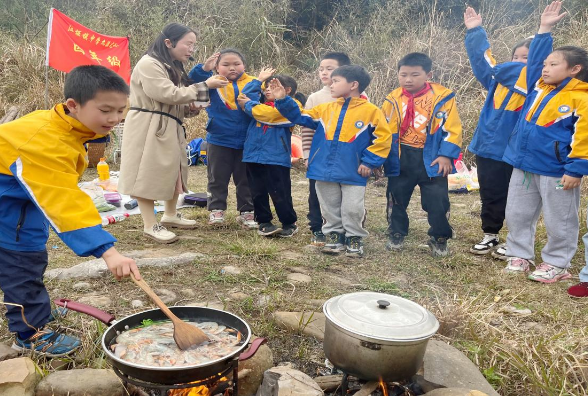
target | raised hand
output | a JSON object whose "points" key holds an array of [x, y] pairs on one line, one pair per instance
{"points": [[211, 62], [277, 89], [471, 18], [551, 16], [265, 73]]}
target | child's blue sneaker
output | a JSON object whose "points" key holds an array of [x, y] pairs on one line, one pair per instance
{"points": [[354, 247], [48, 343], [58, 313], [335, 244]]}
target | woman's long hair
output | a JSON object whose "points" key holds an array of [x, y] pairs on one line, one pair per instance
{"points": [[158, 50]]}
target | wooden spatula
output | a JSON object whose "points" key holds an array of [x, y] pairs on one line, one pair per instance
{"points": [[185, 335]]}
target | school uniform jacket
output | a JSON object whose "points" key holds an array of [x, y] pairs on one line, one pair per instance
{"points": [[551, 137], [507, 88], [227, 123], [42, 160], [444, 135], [269, 136], [349, 132]]}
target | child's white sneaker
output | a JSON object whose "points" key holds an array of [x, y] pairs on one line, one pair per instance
{"points": [[247, 221], [160, 234], [546, 273], [500, 252], [216, 217], [177, 221], [518, 265], [486, 245]]}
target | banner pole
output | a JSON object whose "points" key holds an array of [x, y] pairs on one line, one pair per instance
{"points": [[49, 23], [46, 87]]}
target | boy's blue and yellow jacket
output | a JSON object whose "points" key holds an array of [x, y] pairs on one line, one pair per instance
{"points": [[507, 87], [227, 123], [269, 136], [43, 157], [444, 135], [551, 137], [349, 132]]}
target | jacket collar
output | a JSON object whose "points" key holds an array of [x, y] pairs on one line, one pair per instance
{"points": [[353, 102], [60, 116]]}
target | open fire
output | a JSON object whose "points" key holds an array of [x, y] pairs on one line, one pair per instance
{"points": [[219, 387]]}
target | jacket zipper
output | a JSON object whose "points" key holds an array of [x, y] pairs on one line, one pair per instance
{"points": [[284, 143], [556, 149], [21, 220]]}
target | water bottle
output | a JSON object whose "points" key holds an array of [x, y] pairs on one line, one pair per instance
{"points": [[114, 218], [103, 170]]}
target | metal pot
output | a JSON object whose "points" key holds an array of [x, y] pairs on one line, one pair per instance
{"points": [[169, 375], [377, 336]]}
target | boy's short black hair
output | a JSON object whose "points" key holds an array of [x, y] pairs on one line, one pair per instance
{"points": [[84, 82], [354, 73], [416, 59], [341, 58], [231, 51]]}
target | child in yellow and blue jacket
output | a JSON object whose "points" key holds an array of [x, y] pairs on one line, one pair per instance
{"points": [[424, 116], [507, 87], [352, 138], [43, 158], [267, 154], [549, 153], [226, 131]]}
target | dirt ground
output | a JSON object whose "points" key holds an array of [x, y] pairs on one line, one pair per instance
{"points": [[541, 353]]}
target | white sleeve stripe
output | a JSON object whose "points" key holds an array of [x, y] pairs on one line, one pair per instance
{"points": [[30, 191]]}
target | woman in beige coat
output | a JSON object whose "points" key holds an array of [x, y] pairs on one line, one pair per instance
{"points": [[153, 156]]}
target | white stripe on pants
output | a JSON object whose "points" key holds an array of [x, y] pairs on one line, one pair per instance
{"points": [[342, 206], [528, 195]]}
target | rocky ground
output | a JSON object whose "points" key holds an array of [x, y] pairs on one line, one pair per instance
{"points": [[525, 338]]}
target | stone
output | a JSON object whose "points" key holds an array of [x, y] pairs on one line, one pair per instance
{"points": [[230, 270], [97, 269], [290, 255], [285, 381], [6, 352], [137, 304], [298, 278], [18, 377], [516, 311], [300, 270], [264, 300], [308, 323], [447, 366], [167, 296], [315, 303], [96, 300], [238, 296], [81, 382], [82, 286], [455, 392], [208, 304], [189, 293], [256, 365]]}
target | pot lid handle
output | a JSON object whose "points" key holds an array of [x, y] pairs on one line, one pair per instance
{"points": [[383, 304]]}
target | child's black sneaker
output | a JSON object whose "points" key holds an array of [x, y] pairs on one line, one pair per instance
{"points": [[288, 230], [396, 242], [48, 343], [268, 229], [354, 247], [485, 246], [335, 243], [318, 238], [438, 247]]}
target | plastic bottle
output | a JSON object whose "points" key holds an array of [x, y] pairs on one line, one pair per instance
{"points": [[103, 170], [114, 218]]}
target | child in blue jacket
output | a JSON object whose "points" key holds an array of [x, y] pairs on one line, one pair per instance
{"points": [[549, 153], [267, 154], [507, 88], [227, 128]]}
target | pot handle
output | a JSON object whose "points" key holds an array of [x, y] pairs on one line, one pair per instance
{"points": [[102, 316], [252, 349]]}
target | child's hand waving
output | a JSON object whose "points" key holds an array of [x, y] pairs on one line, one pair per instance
{"points": [[471, 18], [265, 73], [551, 16], [277, 89], [211, 62]]}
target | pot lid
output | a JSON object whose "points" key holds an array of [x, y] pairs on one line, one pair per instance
{"points": [[381, 316]]}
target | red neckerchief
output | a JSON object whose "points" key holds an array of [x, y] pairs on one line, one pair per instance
{"points": [[270, 104], [408, 120]]}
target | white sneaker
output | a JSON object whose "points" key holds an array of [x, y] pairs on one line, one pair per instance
{"points": [[177, 221], [546, 273], [518, 265], [160, 234], [500, 252], [216, 217], [247, 221], [485, 246]]}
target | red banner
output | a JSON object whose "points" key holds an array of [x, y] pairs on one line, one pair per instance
{"points": [[70, 44]]}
